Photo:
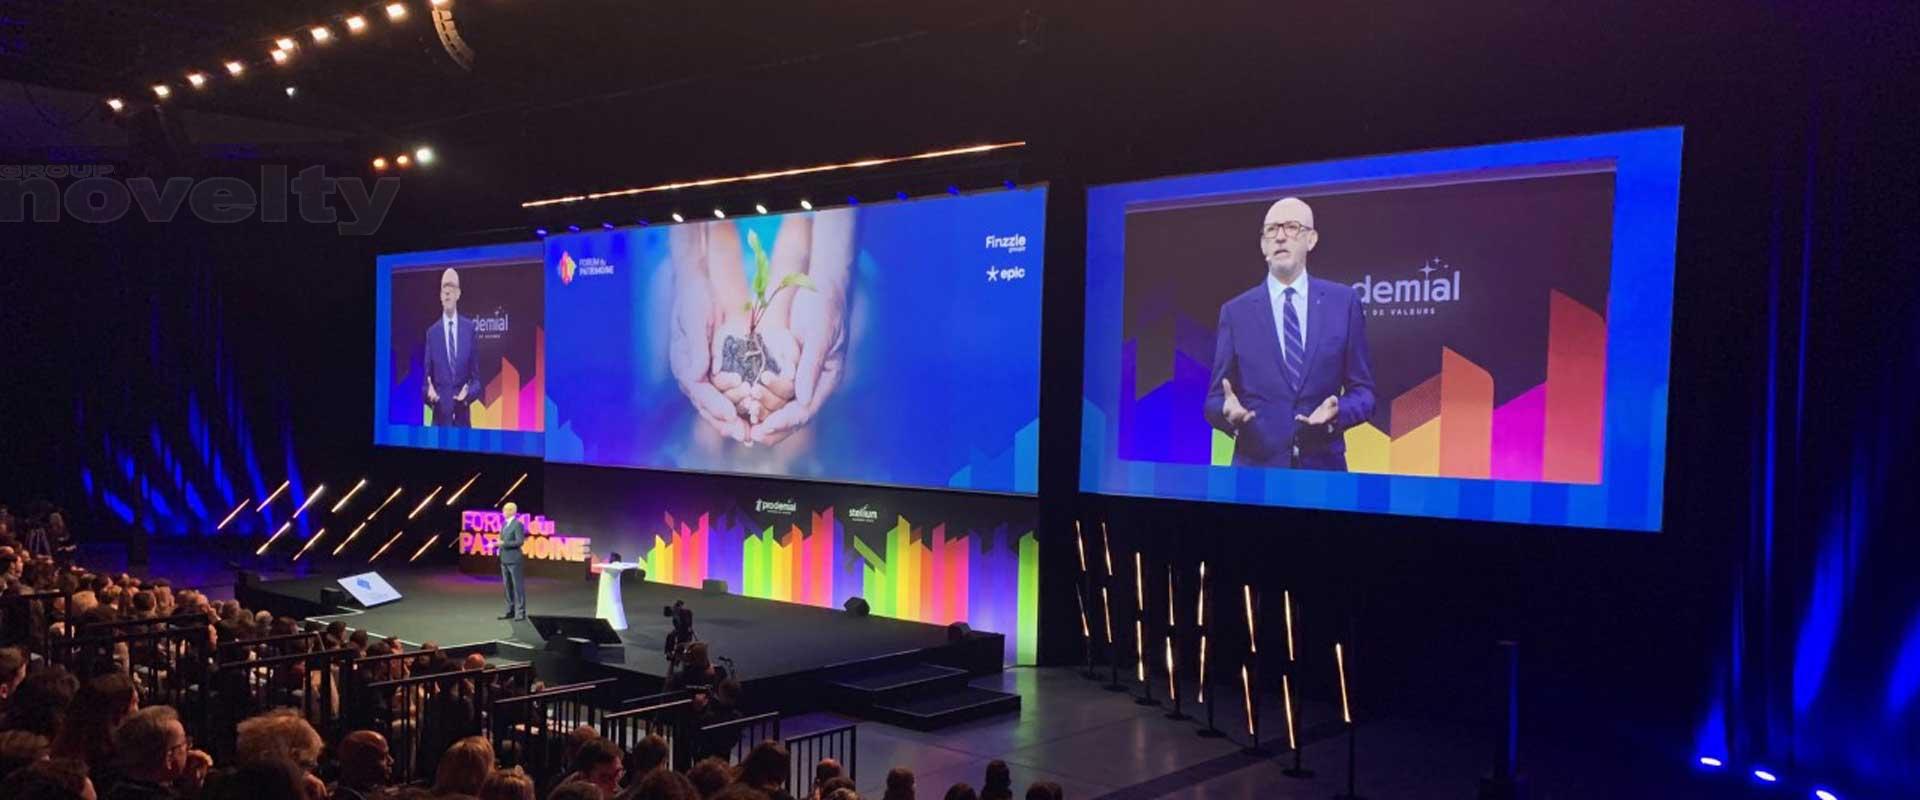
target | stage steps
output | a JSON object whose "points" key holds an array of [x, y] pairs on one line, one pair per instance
{"points": [[919, 696]]}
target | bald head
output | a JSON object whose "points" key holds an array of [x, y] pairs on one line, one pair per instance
{"points": [[510, 509], [1287, 234], [364, 759], [449, 292]]}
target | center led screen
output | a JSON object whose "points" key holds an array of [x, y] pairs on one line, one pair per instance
{"points": [[1479, 333], [891, 343]]}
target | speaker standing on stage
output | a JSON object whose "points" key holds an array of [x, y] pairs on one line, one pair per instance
{"points": [[513, 534]]}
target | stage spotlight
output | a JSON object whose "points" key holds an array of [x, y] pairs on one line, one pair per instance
{"points": [[349, 498], [1710, 761], [162, 91], [642, 221], [540, 232], [718, 214], [197, 79], [403, 160], [678, 218], [573, 229], [1765, 776], [424, 155], [280, 56], [115, 104], [953, 190], [320, 34], [396, 11], [760, 208], [356, 24], [292, 91], [806, 204], [234, 68], [286, 43], [1823, 794], [606, 226], [380, 164]]}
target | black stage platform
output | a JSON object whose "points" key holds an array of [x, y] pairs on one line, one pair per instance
{"points": [[776, 647]]}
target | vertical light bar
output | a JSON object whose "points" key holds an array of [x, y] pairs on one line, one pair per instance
{"points": [[1106, 545], [383, 504], [423, 548], [230, 515], [1139, 616], [351, 536], [423, 503], [1173, 692], [1106, 609], [284, 526], [1203, 668], [349, 498], [1200, 614], [1085, 632], [1080, 542], [1286, 598], [463, 489], [1340, 658], [276, 494], [1246, 689], [317, 491], [1286, 697], [311, 541], [383, 548], [510, 490], [1253, 641]]}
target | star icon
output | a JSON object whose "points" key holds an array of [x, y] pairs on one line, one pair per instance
{"points": [[992, 274], [1426, 271]]}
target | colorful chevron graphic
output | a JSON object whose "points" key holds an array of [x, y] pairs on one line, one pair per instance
{"points": [[990, 580]]}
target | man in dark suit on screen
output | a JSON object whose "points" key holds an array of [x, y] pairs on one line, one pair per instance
{"points": [[513, 535], [1290, 368], [453, 374]]}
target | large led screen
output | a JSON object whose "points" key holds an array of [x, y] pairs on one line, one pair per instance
{"points": [[894, 343], [1479, 333], [459, 350]]}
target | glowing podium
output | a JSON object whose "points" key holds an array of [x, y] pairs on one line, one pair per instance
{"points": [[610, 607]]}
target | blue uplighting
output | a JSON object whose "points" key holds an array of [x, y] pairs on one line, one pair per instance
{"points": [[1007, 183], [1710, 761], [1765, 776], [573, 229], [1825, 795], [953, 190], [606, 226], [1904, 684], [853, 201], [900, 195], [540, 232]]}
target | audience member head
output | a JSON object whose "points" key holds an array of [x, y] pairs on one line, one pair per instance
{"points": [[19, 749], [665, 784], [833, 784], [710, 775], [648, 754], [473, 662], [842, 793], [13, 670], [961, 791], [144, 603], [271, 778], [280, 733], [511, 783], [1045, 790], [826, 770], [365, 760], [899, 784], [999, 785], [465, 767], [765, 767], [696, 659], [577, 790], [598, 763], [52, 779], [40, 703], [152, 744], [576, 738], [99, 707]]}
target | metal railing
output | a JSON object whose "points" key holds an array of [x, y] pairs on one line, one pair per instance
{"points": [[26, 621], [663, 715], [307, 682], [841, 744], [531, 730], [422, 715], [733, 738], [267, 646]]}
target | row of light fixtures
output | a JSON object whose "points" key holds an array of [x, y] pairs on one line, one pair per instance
{"points": [[284, 49], [721, 213], [420, 157]]}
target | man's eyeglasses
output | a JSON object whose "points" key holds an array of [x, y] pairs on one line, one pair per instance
{"points": [[1275, 230]]}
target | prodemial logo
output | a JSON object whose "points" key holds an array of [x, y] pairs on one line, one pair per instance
{"points": [[1439, 283], [775, 506]]}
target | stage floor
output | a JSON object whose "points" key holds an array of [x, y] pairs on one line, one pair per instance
{"points": [[764, 638]]}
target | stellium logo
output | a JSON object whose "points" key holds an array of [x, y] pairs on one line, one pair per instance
{"points": [[1438, 283], [567, 268], [1016, 243], [863, 514], [775, 506]]}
